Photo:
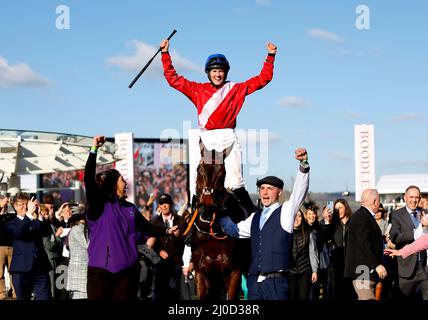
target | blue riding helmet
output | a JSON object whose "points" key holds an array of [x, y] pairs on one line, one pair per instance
{"points": [[217, 61]]}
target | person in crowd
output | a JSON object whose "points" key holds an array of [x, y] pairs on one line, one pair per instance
{"points": [[310, 214], [30, 264], [390, 289], [170, 249], [62, 218], [382, 221], [218, 104], [341, 287], [63, 214], [423, 203], [364, 247], [271, 233], [405, 228], [78, 264], [49, 203], [6, 249], [53, 247], [325, 242], [113, 222], [304, 266]]}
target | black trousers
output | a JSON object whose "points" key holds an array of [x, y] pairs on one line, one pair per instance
{"points": [[105, 285], [167, 281], [300, 287]]}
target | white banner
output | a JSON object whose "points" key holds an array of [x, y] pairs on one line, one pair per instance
{"points": [[194, 158], [364, 159], [125, 143]]}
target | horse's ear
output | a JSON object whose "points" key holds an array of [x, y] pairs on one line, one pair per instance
{"points": [[227, 151], [202, 147]]}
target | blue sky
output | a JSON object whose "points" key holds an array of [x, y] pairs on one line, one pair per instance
{"points": [[329, 75]]}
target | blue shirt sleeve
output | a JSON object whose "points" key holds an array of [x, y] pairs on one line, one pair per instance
{"points": [[229, 227]]}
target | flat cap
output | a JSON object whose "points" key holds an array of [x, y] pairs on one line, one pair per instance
{"points": [[165, 198], [271, 180]]}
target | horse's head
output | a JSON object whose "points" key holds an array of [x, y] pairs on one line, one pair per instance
{"points": [[211, 174]]}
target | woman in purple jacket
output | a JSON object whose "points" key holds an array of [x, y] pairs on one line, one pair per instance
{"points": [[113, 222]]}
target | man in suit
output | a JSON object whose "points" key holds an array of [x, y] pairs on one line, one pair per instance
{"points": [[30, 264], [363, 260], [271, 233], [407, 227], [170, 249]]}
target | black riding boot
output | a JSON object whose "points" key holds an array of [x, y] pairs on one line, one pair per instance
{"points": [[245, 200], [194, 203]]}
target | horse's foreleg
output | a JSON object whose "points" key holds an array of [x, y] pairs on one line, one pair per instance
{"points": [[234, 285], [201, 286]]}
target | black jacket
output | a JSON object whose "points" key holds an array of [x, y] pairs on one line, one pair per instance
{"points": [[364, 249], [174, 246], [5, 238]]}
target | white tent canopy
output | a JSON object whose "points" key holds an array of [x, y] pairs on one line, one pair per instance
{"points": [[31, 152], [398, 183]]}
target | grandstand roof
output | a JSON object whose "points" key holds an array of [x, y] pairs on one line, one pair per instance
{"points": [[398, 183], [35, 152]]}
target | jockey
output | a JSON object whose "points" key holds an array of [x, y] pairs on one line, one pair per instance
{"points": [[218, 103]]}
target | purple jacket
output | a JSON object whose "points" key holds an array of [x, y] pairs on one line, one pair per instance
{"points": [[113, 226], [112, 237]]}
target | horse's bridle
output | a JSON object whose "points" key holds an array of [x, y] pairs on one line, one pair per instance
{"points": [[211, 233]]}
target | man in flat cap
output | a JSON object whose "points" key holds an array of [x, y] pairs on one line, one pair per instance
{"points": [[271, 234], [170, 248]]}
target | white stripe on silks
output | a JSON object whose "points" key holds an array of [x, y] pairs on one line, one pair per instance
{"points": [[213, 103]]}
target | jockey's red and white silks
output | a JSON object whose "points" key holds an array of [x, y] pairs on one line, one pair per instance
{"points": [[212, 104]]}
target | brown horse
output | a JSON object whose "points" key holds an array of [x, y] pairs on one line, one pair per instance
{"points": [[215, 255]]}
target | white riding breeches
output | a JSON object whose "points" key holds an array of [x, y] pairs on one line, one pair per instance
{"points": [[218, 140]]}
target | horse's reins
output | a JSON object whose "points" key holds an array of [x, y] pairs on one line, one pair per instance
{"points": [[192, 221], [211, 233]]}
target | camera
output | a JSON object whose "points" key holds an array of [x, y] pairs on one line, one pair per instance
{"points": [[330, 206], [75, 208]]}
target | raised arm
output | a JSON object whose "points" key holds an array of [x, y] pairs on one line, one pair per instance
{"points": [[266, 74], [300, 189], [174, 80], [93, 195]]}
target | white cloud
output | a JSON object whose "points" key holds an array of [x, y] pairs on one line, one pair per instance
{"points": [[144, 52], [19, 75], [406, 117], [293, 102], [324, 35], [264, 2]]}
